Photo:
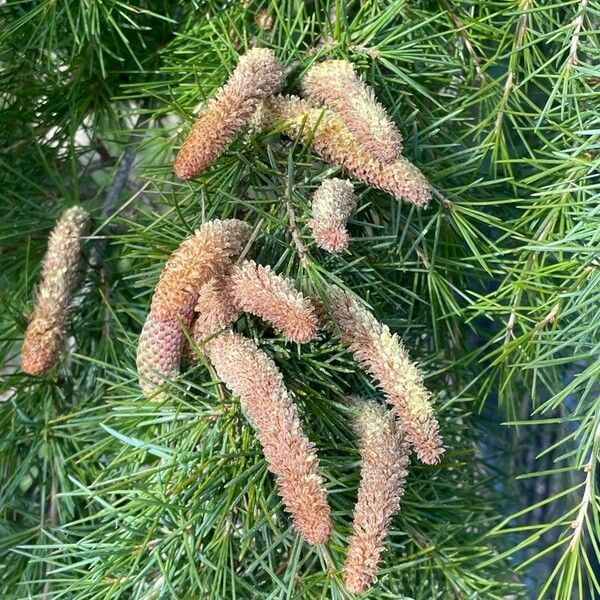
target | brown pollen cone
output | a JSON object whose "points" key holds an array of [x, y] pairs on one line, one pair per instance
{"points": [[256, 289], [199, 257], [44, 336], [158, 352], [215, 308], [332, 204], [257, 75], [383, 356], [385, 459], [331, 139], [335, 84], [252, 375]]}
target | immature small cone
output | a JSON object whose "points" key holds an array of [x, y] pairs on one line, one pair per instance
{"points": [[215, 309], [258, 290], [383, 356], [158, 352], [257, 75], [332, 204], [252, 375], [45, 333], [199, 258], [335, 84], [383, 473], [333, 142]]}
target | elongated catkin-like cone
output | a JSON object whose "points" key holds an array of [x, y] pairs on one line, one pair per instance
{"points": [[45, 333], [252, 375], [158, 352], [335, 84], [332, 204], [257, 75], [334, 143], [385, 459], [383, 356], [215, 308], [199, 258], [258, 290]]}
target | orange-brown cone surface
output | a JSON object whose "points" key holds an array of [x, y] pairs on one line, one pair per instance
{"points": [[331, 139], [215, 309], [335, 84], [252, 375], [383, 356], [200, 257], [258, 290], [332, 204], [45, 333], [383, 472], [257, 75], [158, 352]]}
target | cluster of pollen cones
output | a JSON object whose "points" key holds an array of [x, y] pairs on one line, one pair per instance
{"points": [[206, 284], [203, 289], [338, 116], [346, 126]]}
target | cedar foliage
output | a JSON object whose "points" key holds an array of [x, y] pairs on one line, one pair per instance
{"points": [[493, 288]]}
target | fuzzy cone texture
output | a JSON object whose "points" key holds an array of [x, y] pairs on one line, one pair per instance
{"points": [[333, 142], [45, 333], [215, 309], [385, 459], [258, 290], [252, 375], [257, 75], [158, 352], [335, 84], [383, 356], [200, 257], [332, 204]]}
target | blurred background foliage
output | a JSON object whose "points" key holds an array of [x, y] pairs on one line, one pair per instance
{"points": [[494, 289]]}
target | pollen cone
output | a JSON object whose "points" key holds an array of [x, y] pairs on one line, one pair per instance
{"points": [[332, 204], [201, 257], [257, 75], [335, 84], [256, 289], [331, 139], [383, 356], [44, 336], [252, 375], [383, 472]]}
